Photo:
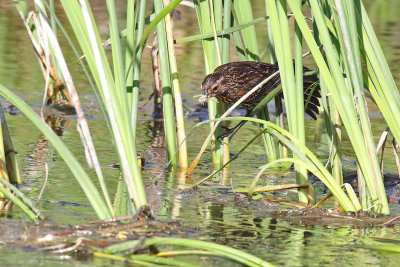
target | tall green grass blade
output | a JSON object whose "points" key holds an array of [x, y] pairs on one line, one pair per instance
{"points": [[180, 123], [210, 53], [123, 205], [21, 7], [370, 35], [333, 127], [240, 49], [40, 7], [278, 100], [301, 173], [271, 43], [137, 52], [130, 46], [82, 22], [52, 18], [168, 106], [348, 40], [216, 22], [244, 15], [116, 50], [82, 127], [74, 14], [227, 22], [81, 63], [217, 11], [381, 83], [353, 196], [293, 96], [337, 87]]}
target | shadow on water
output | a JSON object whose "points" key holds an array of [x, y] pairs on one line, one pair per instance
{"points": [[275, 232]]}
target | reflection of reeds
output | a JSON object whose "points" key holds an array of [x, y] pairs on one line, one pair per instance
{"points": [[156, 159], [40, 151]]}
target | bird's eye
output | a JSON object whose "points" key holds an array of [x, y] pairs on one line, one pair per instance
{"points": [[211, 90]]}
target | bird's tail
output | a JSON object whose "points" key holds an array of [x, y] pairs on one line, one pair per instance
{"points": [[312, 93]]}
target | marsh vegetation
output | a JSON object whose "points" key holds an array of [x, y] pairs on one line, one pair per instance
{"points": [[132, 157]]}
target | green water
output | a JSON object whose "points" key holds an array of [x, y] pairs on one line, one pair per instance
{"points": [[211, 213]]}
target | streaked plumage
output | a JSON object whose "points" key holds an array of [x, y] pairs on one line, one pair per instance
{"points": [[231, 81]]}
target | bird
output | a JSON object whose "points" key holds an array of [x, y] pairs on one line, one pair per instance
{"points": [[229, 82]]}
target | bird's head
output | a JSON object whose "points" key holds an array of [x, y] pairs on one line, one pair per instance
{"points": [[211, 83]]}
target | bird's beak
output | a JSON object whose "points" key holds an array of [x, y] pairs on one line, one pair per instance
{"points": [[203, 99]]}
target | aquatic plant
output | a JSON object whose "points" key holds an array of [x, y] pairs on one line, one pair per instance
{"points": [[343, 31], [340, 29]]}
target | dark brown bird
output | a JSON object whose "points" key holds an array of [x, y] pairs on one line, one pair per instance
{"points": [[231, 81]]}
